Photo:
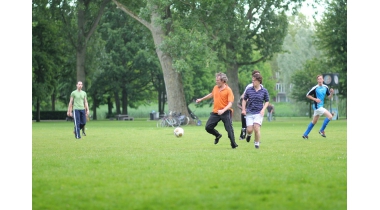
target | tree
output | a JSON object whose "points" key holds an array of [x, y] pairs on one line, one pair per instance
{"points": [[235, 29], [159, 26], [331, 33], [127, 58], [47, 54], [243, 33], [87, 14], [303, 80], [298, 47]]}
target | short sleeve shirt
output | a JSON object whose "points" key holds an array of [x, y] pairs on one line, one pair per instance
{"points": [[256, 99], [319, 92], [78, 97], [222, 97]]}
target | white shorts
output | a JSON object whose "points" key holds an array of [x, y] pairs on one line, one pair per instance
{"points": [[319, 111], [254, 118]]}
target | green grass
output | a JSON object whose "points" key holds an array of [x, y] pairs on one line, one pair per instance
{"points": [[135, 165]]}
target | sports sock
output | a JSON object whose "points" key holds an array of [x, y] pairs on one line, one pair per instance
{"points": [[325, 122], [309, 127]]}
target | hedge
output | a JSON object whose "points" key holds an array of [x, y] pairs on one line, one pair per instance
{"points": [[50, 115]]}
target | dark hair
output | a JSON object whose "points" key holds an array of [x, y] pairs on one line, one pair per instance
{"points": [[222, 76], [255, 72], [258, 77]]}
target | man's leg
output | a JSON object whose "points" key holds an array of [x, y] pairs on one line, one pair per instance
{"points": [[227, 120], [310, 126], [256, 129], [210, 126], [77, 121], [83, 121], [243, 132], [325, 122]]}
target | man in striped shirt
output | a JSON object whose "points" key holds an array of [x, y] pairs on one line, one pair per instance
{"points": [[258, 100]]}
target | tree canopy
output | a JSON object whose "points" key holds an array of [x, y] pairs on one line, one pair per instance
{"points": [[332, 39]]}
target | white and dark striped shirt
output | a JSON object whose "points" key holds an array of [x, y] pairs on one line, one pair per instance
{"points": [[256, 99]]}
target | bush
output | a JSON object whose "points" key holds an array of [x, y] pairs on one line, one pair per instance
{"points": [[50, 115]]}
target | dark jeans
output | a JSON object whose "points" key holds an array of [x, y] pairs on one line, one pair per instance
{"points": [[213, 121], [79, 117]]}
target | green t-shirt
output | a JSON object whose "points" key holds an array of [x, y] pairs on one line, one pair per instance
{"points": [[78, 97]]}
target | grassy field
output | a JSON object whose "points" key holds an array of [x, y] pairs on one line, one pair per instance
{"points": [[135, 165]]}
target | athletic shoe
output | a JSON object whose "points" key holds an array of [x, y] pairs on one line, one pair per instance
{"points": [[234, 146], [217, 139], [245, 133], [83, 133], [322, 133], [248, 138], [242, 134], [257, 146], [305, 137]]}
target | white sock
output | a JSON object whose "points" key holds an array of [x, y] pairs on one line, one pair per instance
{"points": [[257, 143]]}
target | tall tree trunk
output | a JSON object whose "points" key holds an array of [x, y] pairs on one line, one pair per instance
{"points": [[110, 106], [233, 82], [117, 102], [233, 79], [83, 7], [81, 59], [81, 44], [124, 101], [95, 103], [173, 80]]}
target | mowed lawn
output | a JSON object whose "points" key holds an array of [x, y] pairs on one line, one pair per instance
{"points": [[135, 165]]}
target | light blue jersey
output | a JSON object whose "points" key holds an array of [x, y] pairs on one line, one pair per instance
{"points": [[319, 92]]}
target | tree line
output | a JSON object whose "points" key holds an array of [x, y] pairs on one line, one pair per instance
{"points": [[128, 53]]}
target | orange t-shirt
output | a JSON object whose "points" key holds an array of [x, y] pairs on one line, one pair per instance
{"points": [[221, 98]]}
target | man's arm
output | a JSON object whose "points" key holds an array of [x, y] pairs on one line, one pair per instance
{"points": [[86, 106], [243, 106], [262, 112], [313, 99], [70, 107], [205, 97], [229, 105]]}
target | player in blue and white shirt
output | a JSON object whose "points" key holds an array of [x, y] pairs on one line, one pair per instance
{"points": [[243, 132], [255, 102], [317, 94]]}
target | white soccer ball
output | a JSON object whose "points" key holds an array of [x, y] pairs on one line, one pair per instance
{"points": [[178, 132]]}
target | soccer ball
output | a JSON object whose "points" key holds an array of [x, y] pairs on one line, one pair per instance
{"points": [[178, 132]]}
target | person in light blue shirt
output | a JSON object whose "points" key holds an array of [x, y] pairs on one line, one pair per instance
{"points": [[317, 94]]}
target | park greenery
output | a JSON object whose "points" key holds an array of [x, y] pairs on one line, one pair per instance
{"points": [[135, 165], [133, 53]]}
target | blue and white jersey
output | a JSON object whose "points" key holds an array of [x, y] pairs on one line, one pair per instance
{"points": [[319, 92], [249, 86], [256, 99]]}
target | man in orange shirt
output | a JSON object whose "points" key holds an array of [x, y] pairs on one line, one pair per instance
{"points": [[223, 99]]}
